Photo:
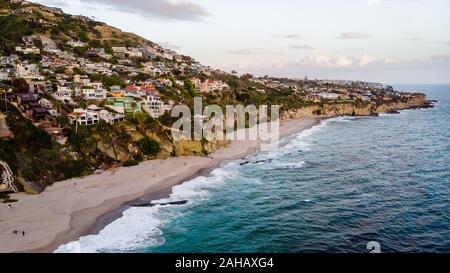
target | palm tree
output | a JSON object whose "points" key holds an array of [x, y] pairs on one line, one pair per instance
{"points": [[89, 145], [77, 116], [57, 104]]}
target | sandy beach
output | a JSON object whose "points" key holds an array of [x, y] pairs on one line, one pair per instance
{"points": [[71, 209]]}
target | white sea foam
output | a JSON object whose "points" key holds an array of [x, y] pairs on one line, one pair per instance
{"points": [[137, 227], [287, 165], [384, 115], [297, 142], [140, 227]]}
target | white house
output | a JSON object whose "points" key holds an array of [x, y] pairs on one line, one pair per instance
{"points": [[64, 94], [94, 94], [73, 43], [49, 107], [81, 79], [28, 50], [134, 53], [110, 117], [28, 71], [4, 75], [153, 105], [119, 49], [209, 85], [85, 117], [327, 95]]}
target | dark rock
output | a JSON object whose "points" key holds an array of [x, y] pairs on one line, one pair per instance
{"points": [[147, 205], [393, 111], [256, 162]]}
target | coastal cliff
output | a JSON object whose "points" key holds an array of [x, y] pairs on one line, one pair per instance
{"points": [[329, 110]]}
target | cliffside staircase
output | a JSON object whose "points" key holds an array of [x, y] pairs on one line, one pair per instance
{"points": [[7, 179]]}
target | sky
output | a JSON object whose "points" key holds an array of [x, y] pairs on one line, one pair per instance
{"points": [[387, 41]]}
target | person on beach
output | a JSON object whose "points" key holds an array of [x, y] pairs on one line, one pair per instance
{"points": [[23, 233], [9, 206], [15, 232]]}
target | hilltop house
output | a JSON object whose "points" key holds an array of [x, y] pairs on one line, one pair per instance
{"points": [[64, 94], [84, 117], [81, 79], [123, 105], [73, 43], [133, 53], [94, 52], [153, 105], [46, 104], [28, 104], [5, 73], [110, 117], [94, 94], [8, 60], [208, 86], [28, 50], [330, 96], [28, 71]]}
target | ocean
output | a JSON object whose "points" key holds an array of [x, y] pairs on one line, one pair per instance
{"points": [[333, 188]]}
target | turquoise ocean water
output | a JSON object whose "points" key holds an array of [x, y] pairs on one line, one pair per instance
{"points": [[332, 188]]}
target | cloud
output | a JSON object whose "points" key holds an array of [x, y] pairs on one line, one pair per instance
{"points": [[365, 60], [246, 51], [288, 36], [302, 47], [353, 35], [318, 58], [343, 61], [180, 10]]}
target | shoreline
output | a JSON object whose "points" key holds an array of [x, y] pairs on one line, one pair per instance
{"points": [[78, 207]]}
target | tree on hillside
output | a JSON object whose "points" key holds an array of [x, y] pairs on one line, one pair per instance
{"points": [[189, 86], [246, 76], [20, 86], [149, 147]]}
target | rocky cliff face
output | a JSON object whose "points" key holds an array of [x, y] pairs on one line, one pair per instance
{"points": [[352, 109]]}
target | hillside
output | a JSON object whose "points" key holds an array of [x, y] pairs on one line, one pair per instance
{"points": [[22, 19], [79, 95]]}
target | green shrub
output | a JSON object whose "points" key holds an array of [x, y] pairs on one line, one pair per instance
{"points": [[131, 163], [149, 147]]}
